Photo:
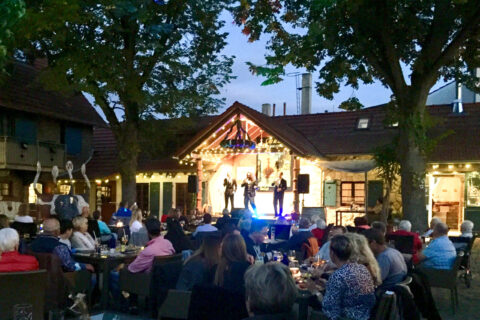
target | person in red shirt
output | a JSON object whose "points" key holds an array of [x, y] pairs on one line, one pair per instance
{"points": [[404, 229], [12, 260], [318, 230]]}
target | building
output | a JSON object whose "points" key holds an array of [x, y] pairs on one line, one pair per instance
{"points": [[39, 125]]}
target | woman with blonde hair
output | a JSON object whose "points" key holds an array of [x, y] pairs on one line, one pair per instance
{"points": [[136, 220], [233, 264], [81, 239], [362, 254]]}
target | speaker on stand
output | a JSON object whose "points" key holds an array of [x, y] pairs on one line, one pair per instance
{"points": [[303, 186]]}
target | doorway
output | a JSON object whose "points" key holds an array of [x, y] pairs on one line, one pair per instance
{"points": [[142, 197], [447, 199], [183, 199]]}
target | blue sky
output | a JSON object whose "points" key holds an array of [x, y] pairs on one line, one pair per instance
{"points": [[247, 89]]}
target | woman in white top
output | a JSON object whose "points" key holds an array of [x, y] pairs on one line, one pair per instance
{"points": [[136, 221], [22, 215], [81, 239]]}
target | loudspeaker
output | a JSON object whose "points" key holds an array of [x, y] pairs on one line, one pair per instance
{"points": [[303, 183], [192, 184]]}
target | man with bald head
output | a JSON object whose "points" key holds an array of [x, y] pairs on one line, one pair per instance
{"points": [[48, 242], [440, 253]]}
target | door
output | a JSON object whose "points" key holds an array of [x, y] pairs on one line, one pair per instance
{"points": [[167, 197], [142, 196], [447, 199], [183, 199], [155, 198]]}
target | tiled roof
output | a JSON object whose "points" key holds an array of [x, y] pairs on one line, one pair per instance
{"points": [[21, 92]]}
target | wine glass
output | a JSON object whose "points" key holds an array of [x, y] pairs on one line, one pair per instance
{"points": [[291, 255]]}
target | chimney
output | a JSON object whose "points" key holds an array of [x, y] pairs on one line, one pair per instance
{"points": [[267, 109], [284, 108], [457, 106], [273, 112], [306, 93]]}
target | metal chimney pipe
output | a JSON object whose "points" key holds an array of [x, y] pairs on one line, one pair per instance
{"points": [[457, 103], [273, 111], [284, 108], [306, 93], [267, 109], [476, 98]]}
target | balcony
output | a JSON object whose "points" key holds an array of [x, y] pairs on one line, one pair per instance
{"points": [[18, 155]]}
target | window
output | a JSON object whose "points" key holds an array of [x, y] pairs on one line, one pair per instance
{"points": [[64, 188], [473, 189], [104, 194], [32, 196], [352, 192], [363, 123], [25, 131], [73, 140], [5, 189]]}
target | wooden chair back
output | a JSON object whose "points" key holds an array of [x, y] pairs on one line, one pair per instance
{"points": [[404, 244], [23, 288]]}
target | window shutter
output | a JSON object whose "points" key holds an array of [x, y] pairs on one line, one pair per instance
{"points": [[375, 191], [25, 131], [155, 198], [167, 196], [330, 194], [73, 140]]}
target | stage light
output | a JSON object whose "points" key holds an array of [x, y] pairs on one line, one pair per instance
{"points": [[468, 165]]}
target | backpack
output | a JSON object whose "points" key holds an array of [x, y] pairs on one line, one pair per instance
{"points": [[66, 206]]}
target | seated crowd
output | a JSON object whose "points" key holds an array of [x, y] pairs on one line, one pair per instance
{"points": [[236, 257]]}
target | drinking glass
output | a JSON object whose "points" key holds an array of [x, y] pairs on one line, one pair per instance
{"points": [[23, 311], [56, 315], [291, 255]]}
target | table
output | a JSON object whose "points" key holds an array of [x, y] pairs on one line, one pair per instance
{"points": [[105, 264], [339, 213]]}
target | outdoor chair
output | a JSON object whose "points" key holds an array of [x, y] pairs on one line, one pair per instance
{"points": [[23, 288], [164, 278], [139, 283], [404, 244], [386, 307], [25, 229], [465, 244], [176, 305], [445, 279], [139, 238]]}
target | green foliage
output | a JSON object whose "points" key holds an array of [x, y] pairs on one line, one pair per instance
{"points": [[387, 163], [352, 41], [351, 104], [136, 58], [11, 11]]}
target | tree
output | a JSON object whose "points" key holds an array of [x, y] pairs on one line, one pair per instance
{"points": [[406, 44], [11, 11], [136, 58], [388, 168]]}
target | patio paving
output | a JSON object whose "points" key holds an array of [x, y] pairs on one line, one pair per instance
{"points": [[469, 298]]}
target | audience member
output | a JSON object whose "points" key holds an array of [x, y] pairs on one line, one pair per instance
{"points": [[404, 229], [136, 220], [123, 214], [22, 215], [324, 252], [102, 226], [11, 260], [433, 222], [48, 242], [4, 223], [301, 236], [157, 246], [177, 237], [233, 264], [245, 224], [391, 262], [361, 222], [223, 220], [197, 267], [66, 231], [92, 224], [81, 239], [440, 253], [270, 292], [256, 236], [362, 254], [466, 229], [207, 225], [282, 220], [350, 292], [318, 230], [381, 226]]}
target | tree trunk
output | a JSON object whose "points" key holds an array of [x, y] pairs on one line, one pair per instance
{"points": [[412, 160], [127, 143], [386, 203]]}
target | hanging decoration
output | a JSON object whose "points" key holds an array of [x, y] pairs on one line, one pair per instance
{"points": [[242, 139]]}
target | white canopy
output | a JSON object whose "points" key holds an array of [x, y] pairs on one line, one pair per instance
{"points": [[349, 165]]}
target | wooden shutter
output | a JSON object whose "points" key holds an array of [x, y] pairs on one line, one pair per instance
{"points": [[167, 196], [155, 198], [375, 191], [73, 140], [25, 130], [330, 194]]}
